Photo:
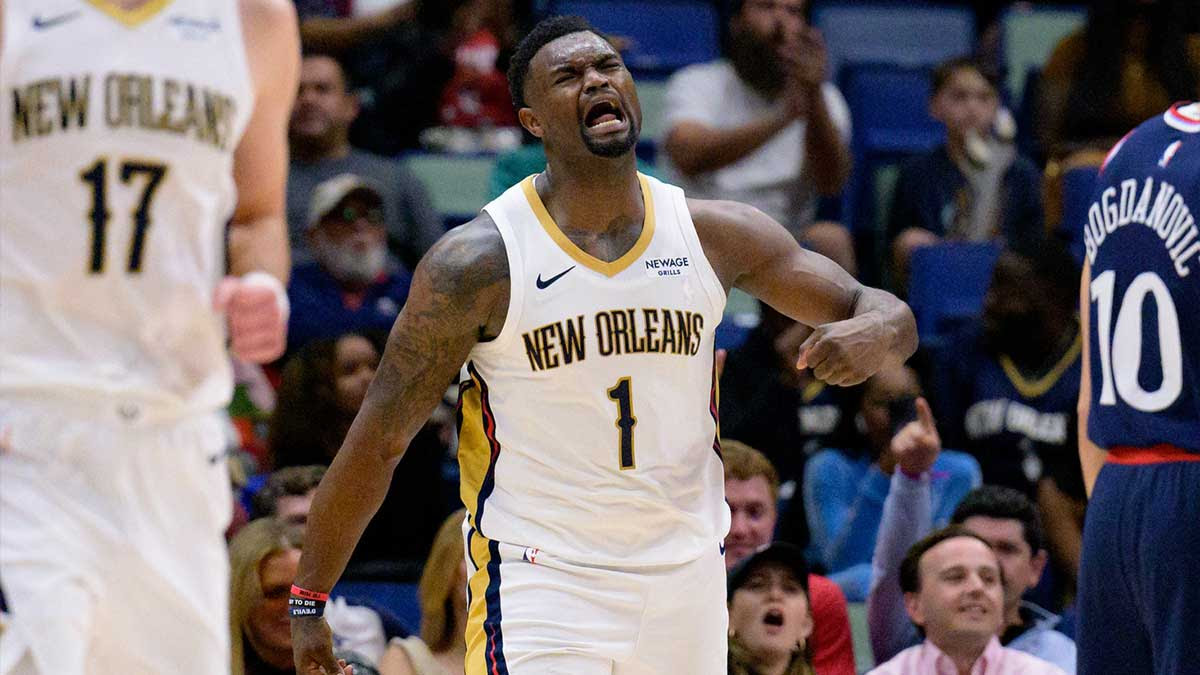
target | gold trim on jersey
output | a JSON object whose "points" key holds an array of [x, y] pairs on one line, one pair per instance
{"points": [[476, 637], [1034, 388], [474, 451], [130, 17], [608, 269]]}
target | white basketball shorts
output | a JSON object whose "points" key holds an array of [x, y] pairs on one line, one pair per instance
{"points": [[112, 550], [530, 613]]}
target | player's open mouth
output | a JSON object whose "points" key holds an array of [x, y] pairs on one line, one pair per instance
{"points": [[604, 116]]}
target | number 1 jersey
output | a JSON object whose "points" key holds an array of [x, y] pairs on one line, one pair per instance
{"points": [[117, 133], [588, 427], [1143, 245]]}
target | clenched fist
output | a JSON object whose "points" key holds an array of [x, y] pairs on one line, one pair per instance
{"points": [[847, 352], [256, 307]]}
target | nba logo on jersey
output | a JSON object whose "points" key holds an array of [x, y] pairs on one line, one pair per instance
{"points": [[1168, 154]]}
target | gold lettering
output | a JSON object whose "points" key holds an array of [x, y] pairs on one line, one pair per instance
{"points": [[604, 335], [650, 318], [533, 351], [669, 344], [546, 335], [621, 329], [74, 104]]}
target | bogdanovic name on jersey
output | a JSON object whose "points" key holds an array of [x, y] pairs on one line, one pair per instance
{"points": [[1169, 217], [647, 330], [131, 100]]}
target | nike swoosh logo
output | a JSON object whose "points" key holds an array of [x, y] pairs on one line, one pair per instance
{"points": [[544, 284], [40, 23]]}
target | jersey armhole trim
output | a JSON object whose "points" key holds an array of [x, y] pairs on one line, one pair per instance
{"points": [[516, 291]]}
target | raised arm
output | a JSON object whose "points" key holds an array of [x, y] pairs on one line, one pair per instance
{"points": [[858, 329], [459, 296]]}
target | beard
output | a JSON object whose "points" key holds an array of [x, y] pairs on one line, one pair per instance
{"points": [[756, 62], [613, 147], [349, 266]]}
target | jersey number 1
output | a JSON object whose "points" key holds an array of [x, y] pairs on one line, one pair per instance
{"points": [[96, 176], [622, 394], [1121, 345]]}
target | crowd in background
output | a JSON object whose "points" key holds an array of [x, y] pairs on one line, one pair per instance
{"points": [[978, 431]]}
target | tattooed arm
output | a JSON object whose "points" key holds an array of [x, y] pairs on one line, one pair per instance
{"points": [[459, 296]]}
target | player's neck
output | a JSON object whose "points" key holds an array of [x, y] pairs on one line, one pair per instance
{"points": [[592, 195], [127, 5]]}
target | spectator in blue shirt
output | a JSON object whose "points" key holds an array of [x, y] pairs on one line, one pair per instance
{"points": [[353, 284], [844, 490]]}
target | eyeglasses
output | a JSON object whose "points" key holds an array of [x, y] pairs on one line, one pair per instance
{"points": [[351, 214]]}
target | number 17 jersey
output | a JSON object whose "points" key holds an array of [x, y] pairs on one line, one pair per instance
{"points": [[1143, 246], [117, 134], [588, 427]]}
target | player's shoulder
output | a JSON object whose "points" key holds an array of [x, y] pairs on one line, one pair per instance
{"points": [[1153, 139], [472, 254], [724, 215]]}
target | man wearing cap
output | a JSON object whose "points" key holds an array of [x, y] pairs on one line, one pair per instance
{"points": [[352, 283]]}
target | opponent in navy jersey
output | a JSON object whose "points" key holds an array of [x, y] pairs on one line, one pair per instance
{"points": [[588, 408], [1140, 404]]}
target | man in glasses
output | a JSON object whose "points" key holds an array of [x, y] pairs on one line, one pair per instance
{"points": [[352, 283]]}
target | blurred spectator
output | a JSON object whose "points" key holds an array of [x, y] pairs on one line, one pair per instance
{"points": [[477, 94], [1008, 390], [440, 649], [264, 558], [764, 126], [953, 592], [287, 495], [769, 617], [1003, 517], [322, 388], [320, 392], [844, 491], [752, 489], [333, 25], [1131, 61], [761, 382], [320, 150], [974, 187], [353, 284]]}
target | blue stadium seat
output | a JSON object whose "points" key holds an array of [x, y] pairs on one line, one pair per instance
{"points": [[1077, 187], [889, 106], [664, 35], [947, 283], [903, 33], [399, 599]]}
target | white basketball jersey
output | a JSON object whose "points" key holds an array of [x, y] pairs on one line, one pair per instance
{"points": [[589, 425], [117, 132]]}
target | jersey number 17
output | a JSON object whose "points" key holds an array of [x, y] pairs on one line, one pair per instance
{"points": [[96, 176]]}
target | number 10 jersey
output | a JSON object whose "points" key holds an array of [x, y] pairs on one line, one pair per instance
{"points": [[1143, 246], [117, 133], [589, 425]]}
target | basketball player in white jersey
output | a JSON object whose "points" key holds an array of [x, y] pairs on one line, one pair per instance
{"points": [[583, 303], [131, 132]]}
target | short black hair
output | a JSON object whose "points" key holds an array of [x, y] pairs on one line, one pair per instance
{"points": [[995, 501], [546, 31], [910, 567], [945, 69]]}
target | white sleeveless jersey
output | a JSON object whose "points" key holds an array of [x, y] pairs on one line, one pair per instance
{"points": [[117, 132], [589, 425]]}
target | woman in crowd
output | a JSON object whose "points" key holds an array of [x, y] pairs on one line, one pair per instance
{"points": [[769, 617], [441, 649], [322, 388]]}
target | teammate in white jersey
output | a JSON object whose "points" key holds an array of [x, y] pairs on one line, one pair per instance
{"points": [[583, 303], [131, 133]]}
